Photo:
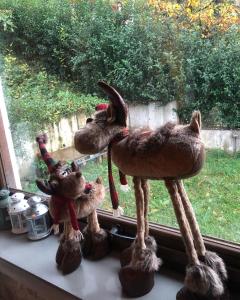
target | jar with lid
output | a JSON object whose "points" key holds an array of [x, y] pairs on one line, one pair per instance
{"points": [[17, 207], [38, 220]]}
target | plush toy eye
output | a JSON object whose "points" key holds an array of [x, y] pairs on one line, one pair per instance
{"points": [[89, 120]]}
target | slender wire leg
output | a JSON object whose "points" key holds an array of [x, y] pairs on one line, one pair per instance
{"points": [[145, 188], [190, 214], [182, 221], [139, 196]]}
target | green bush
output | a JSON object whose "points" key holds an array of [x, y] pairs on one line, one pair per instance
{"points": [[39, 99], [212, 78], [148, 56], [89, 41]]}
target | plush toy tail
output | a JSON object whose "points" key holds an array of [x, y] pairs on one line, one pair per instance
{"points": [[49, 161]]}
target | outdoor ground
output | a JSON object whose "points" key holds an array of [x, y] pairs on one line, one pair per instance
{"points": [[214, 193]]}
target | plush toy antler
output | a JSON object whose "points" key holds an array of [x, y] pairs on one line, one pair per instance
{"points": [[72, 198], [171, 153]]}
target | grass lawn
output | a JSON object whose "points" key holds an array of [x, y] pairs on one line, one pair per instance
{"points": [[214, 193]]}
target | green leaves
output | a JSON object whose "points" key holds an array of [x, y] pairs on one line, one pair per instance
{"points": [[147, 56], [38, 98]]}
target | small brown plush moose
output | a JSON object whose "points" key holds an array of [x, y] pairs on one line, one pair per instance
{"points": [[170, 153], [73, 198]]}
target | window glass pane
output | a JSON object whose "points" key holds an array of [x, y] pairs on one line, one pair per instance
{"points": [[165, 57]]}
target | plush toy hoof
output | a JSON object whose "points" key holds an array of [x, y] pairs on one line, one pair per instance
{"points": [[126, 254], [186, 294], [216, 263], [95, 245], [69, 256], [136, 283]]}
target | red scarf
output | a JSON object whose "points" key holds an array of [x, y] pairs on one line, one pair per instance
{"points": [[60, 201]]}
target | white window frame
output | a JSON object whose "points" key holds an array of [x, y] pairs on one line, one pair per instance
{"points": [[7, 154]]}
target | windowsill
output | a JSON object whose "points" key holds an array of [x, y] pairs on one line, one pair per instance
{"points": [[92, 280], [33, 264]]}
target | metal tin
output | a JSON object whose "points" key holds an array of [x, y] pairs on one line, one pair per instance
{"points": [[18, 205], [5, 222], [37, 217]]}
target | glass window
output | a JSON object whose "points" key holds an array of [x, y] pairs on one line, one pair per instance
{"points": [[167, 58]]}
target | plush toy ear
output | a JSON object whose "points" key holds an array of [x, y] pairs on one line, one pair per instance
{"points": [[196, 123], [75, 167], [117, 102], [44, 186], [111, 114]]}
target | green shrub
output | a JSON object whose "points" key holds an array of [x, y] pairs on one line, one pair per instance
{"points": [[38, 99], [148, 56], [89, 41], [212, 78]]}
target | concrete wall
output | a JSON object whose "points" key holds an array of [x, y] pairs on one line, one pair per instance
{"points": [[61, 135], [152, 115], [228, 140]]}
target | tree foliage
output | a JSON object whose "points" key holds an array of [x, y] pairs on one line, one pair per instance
{"points": [[151, 50], [37, 98]]}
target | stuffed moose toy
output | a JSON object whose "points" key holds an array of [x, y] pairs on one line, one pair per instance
{"points": [[171, 153], [73, 198]]}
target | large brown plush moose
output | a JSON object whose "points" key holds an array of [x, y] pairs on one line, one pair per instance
{"points": [[171, 153], [72, 198]]}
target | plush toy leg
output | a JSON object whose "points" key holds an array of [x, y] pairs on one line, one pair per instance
{"points": [[126, 255], [68, 256], [208, 258], [137, 278], [145, 188], [95, 244], [200, 279], [190, 214]]}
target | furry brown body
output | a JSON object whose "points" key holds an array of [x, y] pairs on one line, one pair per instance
{"points": [[170, 153], [85, 204], [68, 187]]}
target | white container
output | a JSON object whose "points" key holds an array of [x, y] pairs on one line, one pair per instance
{"points": [[37, 217], [17, 207]]}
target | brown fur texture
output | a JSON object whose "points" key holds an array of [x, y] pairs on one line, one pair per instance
{"points": [[171, 153], [85, 204], [68, 185], [96, 135], [203, 280], [144, 259], [216, 263]]}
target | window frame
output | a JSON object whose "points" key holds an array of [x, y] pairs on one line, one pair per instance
{"points": [[170, 243]]}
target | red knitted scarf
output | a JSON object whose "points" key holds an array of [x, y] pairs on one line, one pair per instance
{"points": [[60, 201]]}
